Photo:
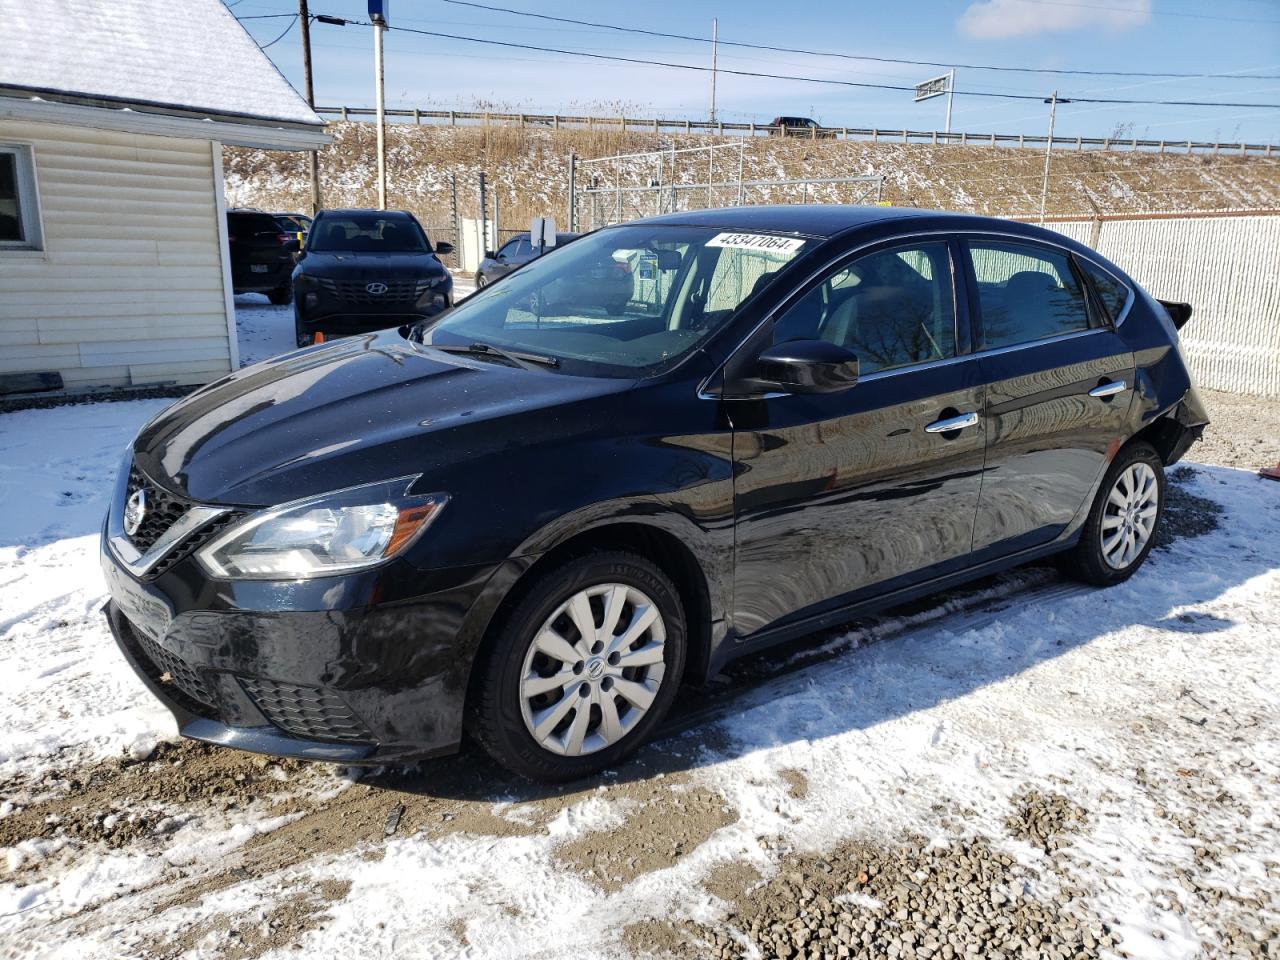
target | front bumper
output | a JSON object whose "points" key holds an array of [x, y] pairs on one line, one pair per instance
{"points": [[319, 311], [356, 669]]}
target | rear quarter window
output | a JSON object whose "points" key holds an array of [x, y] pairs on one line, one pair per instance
{"points": [[1113, 293]]}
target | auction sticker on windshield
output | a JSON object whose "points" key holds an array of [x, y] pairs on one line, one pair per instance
{"points": [[756, 241]]}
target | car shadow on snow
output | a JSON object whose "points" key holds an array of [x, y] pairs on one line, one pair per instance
{"points": [[913, 657]]}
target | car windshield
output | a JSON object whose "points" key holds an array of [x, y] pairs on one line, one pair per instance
{"points": [[624, 302], [367, 233]]}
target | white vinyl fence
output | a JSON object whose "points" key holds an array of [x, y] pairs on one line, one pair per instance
{"points": [[1227, 268]]}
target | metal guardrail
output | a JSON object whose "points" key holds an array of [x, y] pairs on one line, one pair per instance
{"points": [[872, 134]]}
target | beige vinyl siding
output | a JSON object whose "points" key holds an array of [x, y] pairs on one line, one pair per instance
{"points": [[129, 290]]}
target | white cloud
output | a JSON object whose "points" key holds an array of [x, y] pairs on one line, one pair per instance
{"points": [[991, 19]]}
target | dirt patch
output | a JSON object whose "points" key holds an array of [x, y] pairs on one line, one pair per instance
{"points": [[122, 801], [240, 938], [797, 783], [1243, 431], [657, 832], [1043, 819], [729, 881], [669, 940], [915, 900], [1185, 514]]}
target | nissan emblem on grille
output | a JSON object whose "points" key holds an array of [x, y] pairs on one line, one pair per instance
{"points": [[135, 511], [377, 289]]}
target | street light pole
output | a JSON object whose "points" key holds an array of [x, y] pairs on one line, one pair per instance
{"points": [[1053, 102], [951, 89], [715, 42], [304, 18], [379, 25]]}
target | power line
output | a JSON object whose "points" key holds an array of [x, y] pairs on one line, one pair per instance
{"points": [[851, 56], [818, 80], [283, 34]]}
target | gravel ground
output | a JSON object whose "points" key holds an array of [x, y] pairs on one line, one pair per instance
{"points": [[1244, 431]]}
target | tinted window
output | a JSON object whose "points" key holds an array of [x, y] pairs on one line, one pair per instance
{"points": [[1111, 291], [1026, 293], [246, 225], [524, 248], [367, 233], [509, 248], [10, 221], [892, 308]]}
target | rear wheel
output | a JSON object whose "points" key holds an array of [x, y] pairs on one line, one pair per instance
{"points": [[282, 294], [1121, 527], [584, 668]]}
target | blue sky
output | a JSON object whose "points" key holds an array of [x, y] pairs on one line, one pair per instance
{"points": [[1227, 36]]}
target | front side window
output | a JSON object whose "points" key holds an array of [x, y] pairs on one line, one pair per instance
{"points": [[367, 233], [1111, 291], [19, 220], [892, 309], [1026, 293], [509, 248], [623, 302]]}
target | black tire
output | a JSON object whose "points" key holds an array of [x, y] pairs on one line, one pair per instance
{"points": [[282, 294], [302, 337], [481, 280], [495, 719], [1087, 561]]}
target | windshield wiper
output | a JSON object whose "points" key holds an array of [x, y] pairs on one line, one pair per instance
{"points": [[514, 357]]}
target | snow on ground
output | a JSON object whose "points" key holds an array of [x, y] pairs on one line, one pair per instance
{"points": [[1153, 707]]}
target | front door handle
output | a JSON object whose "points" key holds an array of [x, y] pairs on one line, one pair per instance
{"points": [[952, 424], [1108, 389]]}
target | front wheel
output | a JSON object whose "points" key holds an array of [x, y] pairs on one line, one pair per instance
{"points": [[1121, 527], [585, 667]]}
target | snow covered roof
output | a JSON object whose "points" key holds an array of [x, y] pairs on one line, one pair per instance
{"points": [[184, 56]]}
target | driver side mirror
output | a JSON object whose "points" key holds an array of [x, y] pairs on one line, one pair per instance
{"points": [[490, 255], [443, 247], [808, 366]]}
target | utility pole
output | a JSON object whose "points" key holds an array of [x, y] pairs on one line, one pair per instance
{"points": [[715, 41], [304, 18], [379, 25], [1053, 102]]}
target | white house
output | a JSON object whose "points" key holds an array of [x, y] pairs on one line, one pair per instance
{"points": [[113, 247]]}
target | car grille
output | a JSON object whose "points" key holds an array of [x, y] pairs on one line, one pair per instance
{"points": [[164, 509], [307, 712], [180, 673], [357, 291]]}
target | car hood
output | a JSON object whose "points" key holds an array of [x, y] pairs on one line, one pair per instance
{"points": [[371, 266], [354, 411]]}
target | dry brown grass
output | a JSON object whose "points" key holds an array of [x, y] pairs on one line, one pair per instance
{"points": [[526, 167]]}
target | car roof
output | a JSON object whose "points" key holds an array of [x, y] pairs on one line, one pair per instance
{"points": [[346, 211], [811, 219]]}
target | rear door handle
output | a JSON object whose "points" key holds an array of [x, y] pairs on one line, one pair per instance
{"points": [[952, 423], [1108, 389]]}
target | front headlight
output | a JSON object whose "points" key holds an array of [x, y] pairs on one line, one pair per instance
{"points": [[333, 533]]}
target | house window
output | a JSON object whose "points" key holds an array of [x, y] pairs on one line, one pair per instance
{"points": [[19, 209]]}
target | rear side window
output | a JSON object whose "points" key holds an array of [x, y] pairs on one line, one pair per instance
{"points": [[1113, 293], [246, 225], [1026, 293], [892, 309]]}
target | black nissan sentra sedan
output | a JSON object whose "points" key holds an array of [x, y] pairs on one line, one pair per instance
{"points": [[536, 516]]}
